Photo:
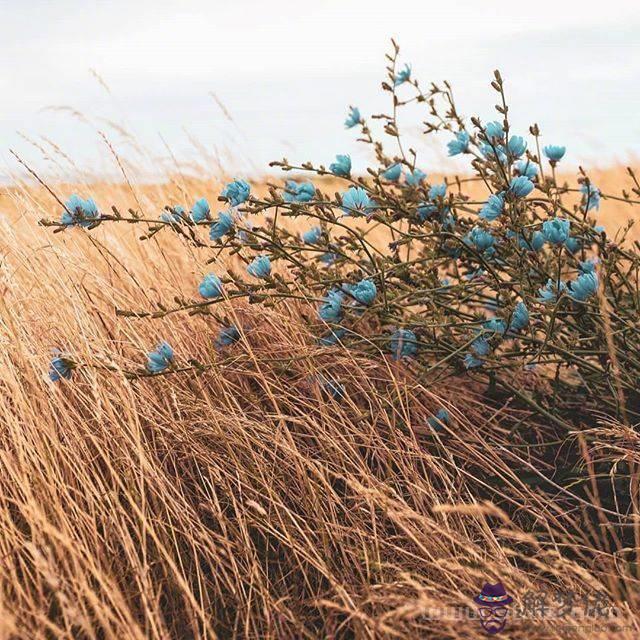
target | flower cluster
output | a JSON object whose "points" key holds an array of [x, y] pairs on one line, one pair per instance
{"points": [[484, 277]]}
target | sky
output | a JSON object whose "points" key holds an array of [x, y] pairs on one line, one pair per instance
{"points": [[286, 72]]}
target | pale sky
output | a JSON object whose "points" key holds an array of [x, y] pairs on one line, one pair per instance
{"points": [[287, 71]]}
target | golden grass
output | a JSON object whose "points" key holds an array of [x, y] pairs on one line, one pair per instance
{"points": [[242, 502]]}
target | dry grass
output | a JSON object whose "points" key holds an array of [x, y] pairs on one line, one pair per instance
{"points": [[242, 502]]}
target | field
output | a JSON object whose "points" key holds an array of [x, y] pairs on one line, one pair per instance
{"points": [[243, 501]]}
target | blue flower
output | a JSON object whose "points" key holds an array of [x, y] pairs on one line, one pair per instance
{"points": [[549, 293], [364, 291], [537, 240], [403, 75], [174, 215], [481, 346], [329, 258], [393, 172], [415, 178], [341, 167], [481, 239], [493, 208], [312, 236], [517, 146], [200, 210], [554, 152], [356, 200], [160, 359], [60, 367], [298, 192], [403, 344], [527, 169], [222, 226], [584, 286], [556, 230], [494, 131], [440, 418], [353, 118], [573, 244], [211, 286], [237, 192], [460, 144], [471, 362], [588, 266], [533, 243], [335, 334], [495, 325], [426, 210], [260, 267], [519, 317], [226, 337], [590, 196], [520, 186], [331, 308], [81, 212], [438, 191]]}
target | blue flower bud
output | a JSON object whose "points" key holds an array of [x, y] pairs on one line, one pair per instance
{"points": [[554, 152], [493, 208], [556, 230], [211, 286], [415, 177], [80, 212], [237, 192], [298, 192], [481, 346], [60, 367], [494, 131], [393, 172], [438, 191], [174, 215], [341, 167], [364, 291], [516, 146], [200, 211], [520, 186], [519, 317], [161, 358], [590, 196], [403, 344], [260, 267], [331, 307], [222, 226], [527, 169], [226, 337], [353, 118], [549, 293], [312, 236], [404, 75], [584, 286], [471, 362], [356, 201], [460, 144], [481, 239]]}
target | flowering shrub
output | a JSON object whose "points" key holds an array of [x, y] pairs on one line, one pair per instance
{"points": [[517, 288]]}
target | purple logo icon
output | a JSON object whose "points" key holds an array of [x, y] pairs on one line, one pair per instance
{"points": [[492, 607]]}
